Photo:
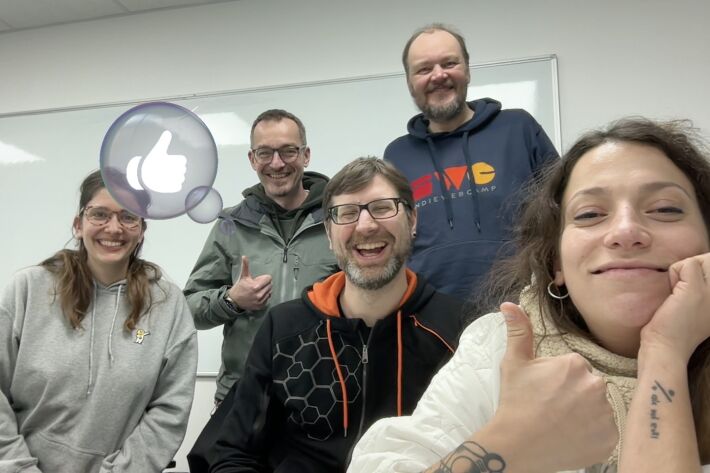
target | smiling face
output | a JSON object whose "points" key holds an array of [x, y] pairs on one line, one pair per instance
{"points": [[628, 213], [282, 181], [109, 247], [372, 252], [438, 76]]}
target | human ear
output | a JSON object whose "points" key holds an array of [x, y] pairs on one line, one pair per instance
{"points": [[76, 228]]}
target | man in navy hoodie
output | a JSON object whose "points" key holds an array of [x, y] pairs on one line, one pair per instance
{"points": [[465, 161]]}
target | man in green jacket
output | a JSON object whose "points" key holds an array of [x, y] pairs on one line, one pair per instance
{"points": [[265, 250]]}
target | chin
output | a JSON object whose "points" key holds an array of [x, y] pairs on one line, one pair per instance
{"points": [[635, 310]]}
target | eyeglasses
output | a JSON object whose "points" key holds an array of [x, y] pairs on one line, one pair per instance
{"points": [[265, 155], [379, 209], [101, 216]]}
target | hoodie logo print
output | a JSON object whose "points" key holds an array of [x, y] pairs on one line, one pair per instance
{"points": [[483, 173], [140, 334]]}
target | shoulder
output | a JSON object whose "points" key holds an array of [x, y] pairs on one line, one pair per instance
{"points": [[35, 277], [396, 147], [169, 301], [445, 314], [517, 115], [291, 318], [30, 287], [247, 212]]}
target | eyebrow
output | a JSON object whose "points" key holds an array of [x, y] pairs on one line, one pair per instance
{"points": [[647, 188]]}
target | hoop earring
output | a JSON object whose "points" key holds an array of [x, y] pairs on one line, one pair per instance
{"points": [[560, 296]]}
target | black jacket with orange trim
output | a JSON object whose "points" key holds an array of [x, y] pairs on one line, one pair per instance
{"points": [[315, 381]]}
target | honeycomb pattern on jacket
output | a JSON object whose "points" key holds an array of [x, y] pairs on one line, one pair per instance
{"points": [[306, 378]]}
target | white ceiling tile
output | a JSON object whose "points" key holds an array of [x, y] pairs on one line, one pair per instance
{"points": [[20, 14], [145, 5], [33, 13]]}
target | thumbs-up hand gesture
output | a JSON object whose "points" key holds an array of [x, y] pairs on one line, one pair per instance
{"points": [[556, 404], [160, 171], [250, 293]]}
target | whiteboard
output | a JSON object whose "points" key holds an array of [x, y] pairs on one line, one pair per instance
{"points": [[44, 155]]}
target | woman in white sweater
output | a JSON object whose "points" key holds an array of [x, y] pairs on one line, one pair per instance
{"points": [[97, 353], [610, 370]]}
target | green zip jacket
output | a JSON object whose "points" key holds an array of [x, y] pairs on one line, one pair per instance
{"points": [[293, 266]]}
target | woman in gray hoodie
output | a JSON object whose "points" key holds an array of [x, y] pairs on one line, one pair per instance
{"points": [[97, 353]]}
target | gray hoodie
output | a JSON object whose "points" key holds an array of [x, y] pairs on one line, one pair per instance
{"points": [[97, 399]]}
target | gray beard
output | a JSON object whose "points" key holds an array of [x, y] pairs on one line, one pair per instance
{"points": [[443, 113], [355, 274]]}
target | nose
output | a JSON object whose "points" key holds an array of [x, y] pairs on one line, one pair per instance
{"points": [[365, 222], [627, 230], [438, 73], [276, 161], [113, 225]]}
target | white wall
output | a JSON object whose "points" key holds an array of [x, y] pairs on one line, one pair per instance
{"points": [[616, 58]]}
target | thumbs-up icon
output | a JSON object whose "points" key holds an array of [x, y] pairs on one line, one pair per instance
{"points": [[160, 171]]}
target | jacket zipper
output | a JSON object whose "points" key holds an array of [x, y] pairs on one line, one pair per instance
{"points": [[284, 273], [365, 361]]}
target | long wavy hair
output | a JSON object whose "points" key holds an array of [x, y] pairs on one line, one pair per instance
{"points": [[538, 231], [75, 282]]}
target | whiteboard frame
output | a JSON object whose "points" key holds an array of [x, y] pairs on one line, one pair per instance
{"points": [[557, 140]]}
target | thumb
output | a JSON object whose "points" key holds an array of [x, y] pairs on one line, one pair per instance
{"points": [[161, 146], [520, 336], [245, 268]]}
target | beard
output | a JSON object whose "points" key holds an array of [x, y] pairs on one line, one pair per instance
{"points": [[372, 278], [359, 278], [443, 113]]}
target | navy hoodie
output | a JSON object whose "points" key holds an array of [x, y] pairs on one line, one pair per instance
{"points": [[464, 218]]}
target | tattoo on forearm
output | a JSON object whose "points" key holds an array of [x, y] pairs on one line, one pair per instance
{"points": [[471, 457], [655, 400]]}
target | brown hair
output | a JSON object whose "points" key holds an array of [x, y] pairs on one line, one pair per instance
{"points": [[430, 29], [276, 115], [75, 283], [537, 237], [359, 173]]}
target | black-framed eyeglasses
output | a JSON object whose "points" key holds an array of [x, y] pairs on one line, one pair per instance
{"points": [[379, 209], [265, 155], [101, 216]]}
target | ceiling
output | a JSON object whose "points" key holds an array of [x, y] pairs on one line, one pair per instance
{"points": [[22, 14]]}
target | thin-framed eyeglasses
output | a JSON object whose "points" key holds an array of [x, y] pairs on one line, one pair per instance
{"points": [[379, 209], [265, 155], [101, 216]]}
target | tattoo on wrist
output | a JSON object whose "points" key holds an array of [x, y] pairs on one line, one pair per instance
{"points": [[471, 457], [658, 395]]}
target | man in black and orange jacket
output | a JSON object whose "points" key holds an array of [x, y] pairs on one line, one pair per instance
{"points": [[358, 346]]}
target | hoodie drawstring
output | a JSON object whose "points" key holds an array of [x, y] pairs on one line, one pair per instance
{"points": [[113, 322], [341, 380], [91, 336], [442, 177], [472, 179], [91, 342]]}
